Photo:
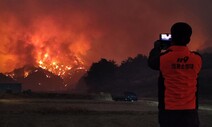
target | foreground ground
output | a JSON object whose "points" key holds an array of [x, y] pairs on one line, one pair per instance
{"points": [[84, 113]]}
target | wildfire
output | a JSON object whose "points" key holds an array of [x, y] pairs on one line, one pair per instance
{"points": [[57, 66], [44, 43], [54, 67]]}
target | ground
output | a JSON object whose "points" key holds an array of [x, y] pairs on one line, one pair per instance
{"points": [[84, 113]]}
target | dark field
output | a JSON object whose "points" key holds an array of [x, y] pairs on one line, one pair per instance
{"points": [[84, 113]]}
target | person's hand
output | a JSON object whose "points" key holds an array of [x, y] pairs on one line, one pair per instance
{"points": [[157, 44]]}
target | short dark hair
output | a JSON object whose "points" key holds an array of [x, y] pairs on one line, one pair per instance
{"points": [[181, 33]]}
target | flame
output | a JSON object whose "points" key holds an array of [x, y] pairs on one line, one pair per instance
{"points": [[50, 53], [58, 64], [44, 44], [26, 73]]}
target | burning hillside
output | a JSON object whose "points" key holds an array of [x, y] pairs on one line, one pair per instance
{"points": [[50, 53], [46, 48]]}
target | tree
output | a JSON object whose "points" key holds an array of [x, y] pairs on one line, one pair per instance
{"points": [[207, 60], [101, 75]]}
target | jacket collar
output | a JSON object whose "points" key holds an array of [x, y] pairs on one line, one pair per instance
{"points": [[178, 48]]}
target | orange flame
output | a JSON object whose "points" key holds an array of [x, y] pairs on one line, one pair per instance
{"points": [[53, 48]]}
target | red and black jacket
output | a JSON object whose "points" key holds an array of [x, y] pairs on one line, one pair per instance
{"points": [[178, 80]]}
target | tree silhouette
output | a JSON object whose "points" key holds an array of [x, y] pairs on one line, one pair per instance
{"points": [[134, 75], [101, 75], [131, 75], [207, 60]]}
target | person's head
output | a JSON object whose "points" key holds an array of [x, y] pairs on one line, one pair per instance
{"points": [[181, 33]]}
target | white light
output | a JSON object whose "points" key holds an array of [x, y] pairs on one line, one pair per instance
{"points": [[166, 36]]}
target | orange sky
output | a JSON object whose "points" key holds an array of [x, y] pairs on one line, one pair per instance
{"points": [[83, 31]]}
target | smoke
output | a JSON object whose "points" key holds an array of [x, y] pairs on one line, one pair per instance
{"points": [[73, 32]]}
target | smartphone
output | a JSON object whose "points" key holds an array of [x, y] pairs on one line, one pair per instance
{"points": [[165, 37]]}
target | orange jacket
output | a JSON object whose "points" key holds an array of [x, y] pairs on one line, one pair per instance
{"points": [[178, 85]]}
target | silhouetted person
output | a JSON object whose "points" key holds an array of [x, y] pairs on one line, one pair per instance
{"points": [[177, 84]]}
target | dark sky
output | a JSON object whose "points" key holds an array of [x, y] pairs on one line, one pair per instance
{"points": [[93, 29]]}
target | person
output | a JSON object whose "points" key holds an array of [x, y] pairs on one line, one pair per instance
{"points": [[178, 79]]}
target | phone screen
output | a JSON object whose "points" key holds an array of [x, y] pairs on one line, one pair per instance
{"points": [[165, 37]]}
